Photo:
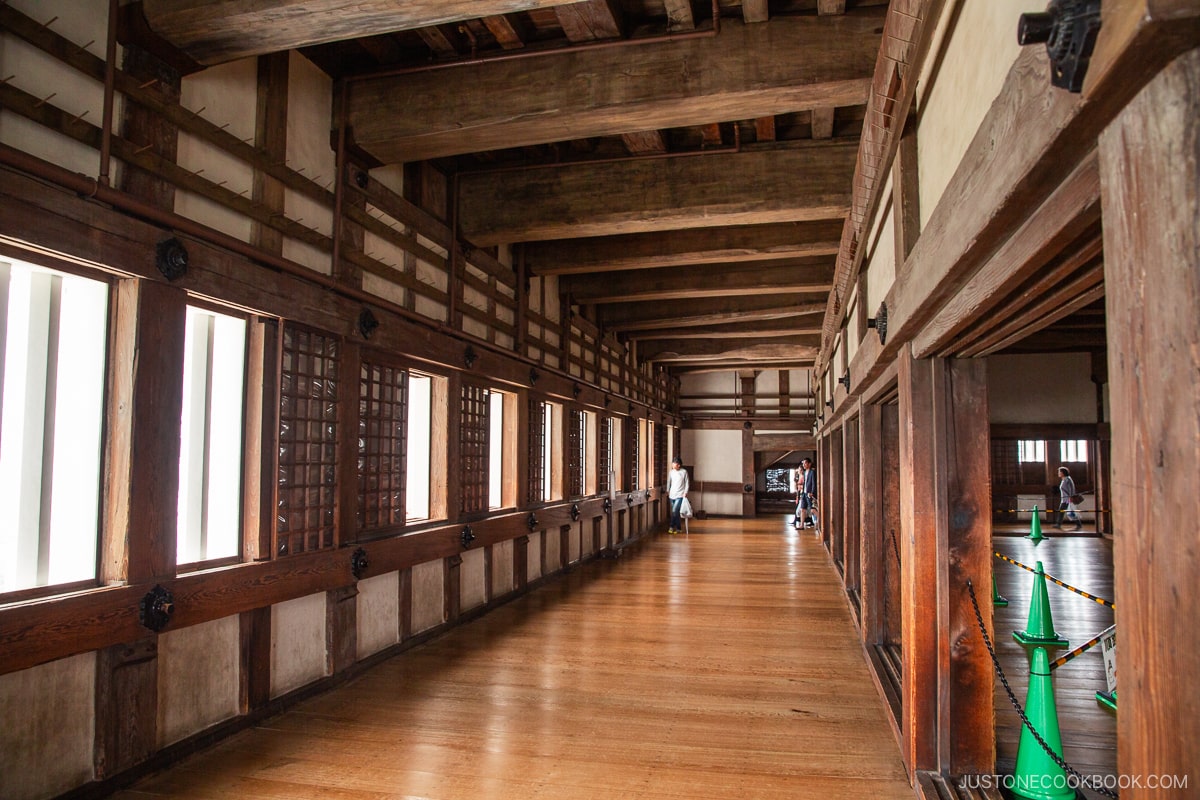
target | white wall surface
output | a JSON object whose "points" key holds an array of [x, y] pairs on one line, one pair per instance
{"points": [[1053, 387], [34, 72], [198, 678], [428, 595], [298, 649], [223, 95], [377, 617], [981, 49], [49, 732]]}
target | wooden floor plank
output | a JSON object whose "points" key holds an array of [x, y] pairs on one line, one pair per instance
{"points": [[1089, 731], [723, 664]]}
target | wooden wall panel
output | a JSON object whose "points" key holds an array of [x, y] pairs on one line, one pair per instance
{"points": [[1149, 182]]}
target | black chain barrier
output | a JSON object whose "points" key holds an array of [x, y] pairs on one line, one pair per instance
{"points": [[1057, 582], [1063, 765]]}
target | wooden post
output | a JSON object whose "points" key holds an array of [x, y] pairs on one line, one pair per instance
{"points": [[871, 533], [851, 447], [270, 137], [146, 391], [834, 519], [749, 507], [948, 718], [255, 656], [919, 505], [1150, 190], [968, 716], [126, 705]]}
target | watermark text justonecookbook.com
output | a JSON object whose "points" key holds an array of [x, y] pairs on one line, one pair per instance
{"points": [[1047, 782]]}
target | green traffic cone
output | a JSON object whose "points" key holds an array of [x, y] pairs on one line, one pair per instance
{"points": [[997, 598], [1035, 527], [1036, 775], [1039, 629]]}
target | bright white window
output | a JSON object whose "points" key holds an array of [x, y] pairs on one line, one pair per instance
{"points": [[420, 396], [1031, 450], [210, 447], [547, 450], [53, 330], [495, 449], [1073, 450]]}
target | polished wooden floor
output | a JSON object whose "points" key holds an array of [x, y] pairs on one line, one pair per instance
{"points": [[1089, 731], [723, 664]]}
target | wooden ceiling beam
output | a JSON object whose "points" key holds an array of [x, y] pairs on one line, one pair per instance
{"points": [[217, 31], [790, 326], [749, 71], [739, 243], [822, 123], [644, 142], [702, 311], [755, 11], [709, 280], [679, 15], [591, 20], [691, 351], [576, 200], [506, 35]]}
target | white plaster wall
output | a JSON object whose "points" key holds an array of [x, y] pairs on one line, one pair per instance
{"points": [[471, 574], [533, 557], [502, 568], [223, 95], [298, 649], [880, 261], [49, 732], [553, 549], [574, 542], [34, 72], [198, 678], [708, 383], [378, 614], [310, 104], [716, 456], [428, 598], [980, 50], [1055, 387]]}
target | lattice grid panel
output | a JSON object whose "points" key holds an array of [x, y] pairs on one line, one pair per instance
{"points": [[307, 443], [382, 446], [473, 449], [537, 468], [576, 453]]}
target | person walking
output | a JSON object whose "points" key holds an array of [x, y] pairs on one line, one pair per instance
{"points": [[1066, 500], [806, 494], [677, 489]]}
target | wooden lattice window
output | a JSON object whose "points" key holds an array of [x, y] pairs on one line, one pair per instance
{"points": [[660, 454], [473, 449], [536, 472], [634, 454], [382, 445], [604, 455], [576, 453], [308, 413]]}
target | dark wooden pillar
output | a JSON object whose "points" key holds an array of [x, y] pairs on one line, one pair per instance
{"points": [[1150, 189], [871, 532], [919, 501], [948, 718], [341, 627], [255, 654], [126, 705], [749, 506], [851, 492], [834, 519], [270, 136]]}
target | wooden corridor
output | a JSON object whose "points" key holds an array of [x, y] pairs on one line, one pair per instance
{"points": [[723, 664]]}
